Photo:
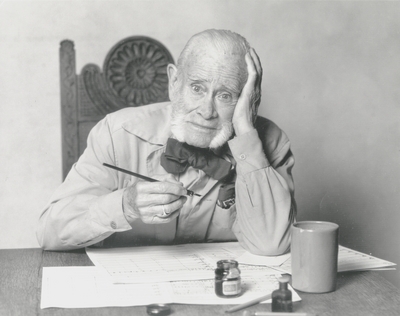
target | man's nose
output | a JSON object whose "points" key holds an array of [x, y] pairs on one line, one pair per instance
{"points": [[207, 108]]}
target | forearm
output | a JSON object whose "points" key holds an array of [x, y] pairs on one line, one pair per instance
{"points": [[263, 204], [81, 220], [87, 207], [264, 199]]}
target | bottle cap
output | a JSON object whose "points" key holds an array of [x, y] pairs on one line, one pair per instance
{"points": [[158, 309], [284, 279]]}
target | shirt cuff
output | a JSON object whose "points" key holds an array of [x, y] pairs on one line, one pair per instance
{"points": [[108, 212], [248, 152]]}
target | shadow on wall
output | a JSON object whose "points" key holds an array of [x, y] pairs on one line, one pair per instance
{"points": [[358, 211], [336, 206]]}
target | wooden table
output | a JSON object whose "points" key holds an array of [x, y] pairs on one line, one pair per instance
{"points": [[358, 293]]}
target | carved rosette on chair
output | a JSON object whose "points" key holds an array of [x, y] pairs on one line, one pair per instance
{"points": [[134, 73]]}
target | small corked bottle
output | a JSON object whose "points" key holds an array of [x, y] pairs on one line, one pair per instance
{"points": [[282, 297]]}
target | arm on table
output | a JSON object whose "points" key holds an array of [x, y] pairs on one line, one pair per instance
{"points": [[265, 202], [87, 207]]}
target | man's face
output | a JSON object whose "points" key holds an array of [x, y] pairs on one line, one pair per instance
{"points": [[205, 97]]}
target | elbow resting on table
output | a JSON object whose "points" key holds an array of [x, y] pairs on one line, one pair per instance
{"points": [[54, 236], [267, 246], [52, 243], [270, 249]]}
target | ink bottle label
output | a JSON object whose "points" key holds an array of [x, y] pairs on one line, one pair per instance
{"points": [[231, 287], [227, 279]]}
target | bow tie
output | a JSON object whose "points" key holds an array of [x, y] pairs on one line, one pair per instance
{"points": [[179, 156]]}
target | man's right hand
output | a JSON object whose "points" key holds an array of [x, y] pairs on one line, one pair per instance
{"points": [[154, 202]]}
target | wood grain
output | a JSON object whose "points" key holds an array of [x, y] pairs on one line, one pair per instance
{"points": [[357, 293], [20, 285], [69, 105]]}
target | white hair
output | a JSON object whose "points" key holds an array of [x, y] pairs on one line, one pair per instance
{"points": [[225, 41]]}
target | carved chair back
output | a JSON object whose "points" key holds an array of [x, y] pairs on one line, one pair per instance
{"points": [[134, 74]]}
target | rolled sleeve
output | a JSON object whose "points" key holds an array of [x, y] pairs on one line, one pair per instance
{"points": [[264, 192], [248, 152], [107, 211]]}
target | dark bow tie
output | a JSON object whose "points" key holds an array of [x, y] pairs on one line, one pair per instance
{"points": [[178, 156]]}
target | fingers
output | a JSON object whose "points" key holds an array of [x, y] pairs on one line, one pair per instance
{"points": [[166, 210], [251, 70], [163, 187], [159, 219], [255, 77], [167, 178], [154, 202], [172, 207], [256, 61], [246, 109], [150, 200], [165, 213], [254, 70]]}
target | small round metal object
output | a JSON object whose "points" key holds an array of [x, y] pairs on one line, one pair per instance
{"points": [[158, 309]]}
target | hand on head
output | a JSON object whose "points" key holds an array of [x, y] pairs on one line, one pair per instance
{"points": [[154, 202], [250, 97]]}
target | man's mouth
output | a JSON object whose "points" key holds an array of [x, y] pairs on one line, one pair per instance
{"points": [[200, 127]]}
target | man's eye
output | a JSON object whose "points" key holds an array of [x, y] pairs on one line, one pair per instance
{"points": [[196, 88], [225, 97]]}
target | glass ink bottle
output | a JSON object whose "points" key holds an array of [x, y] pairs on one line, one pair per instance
{"points": [[282, 298], [227, 279]]}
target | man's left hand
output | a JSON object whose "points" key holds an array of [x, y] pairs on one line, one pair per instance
{"points": [[250, 97]]}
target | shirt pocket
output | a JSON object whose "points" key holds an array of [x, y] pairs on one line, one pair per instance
{"points": [[220, 228], [224, 217]]}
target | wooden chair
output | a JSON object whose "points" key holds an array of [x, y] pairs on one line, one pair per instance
{"points": [[134, 73]]}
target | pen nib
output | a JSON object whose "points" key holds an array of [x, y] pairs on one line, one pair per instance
{"points": [[191, 193]]}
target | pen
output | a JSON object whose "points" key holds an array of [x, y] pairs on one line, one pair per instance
{"points": [[137, 175], [250, 303], [247, 313]]}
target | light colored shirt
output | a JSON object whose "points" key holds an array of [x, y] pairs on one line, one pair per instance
{"points": [[87, 208]]}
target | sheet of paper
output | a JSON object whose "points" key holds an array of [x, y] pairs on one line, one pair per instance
{"points": [[192, 292], [350, 260], [86, 287], [271, 261], [168, 263]]}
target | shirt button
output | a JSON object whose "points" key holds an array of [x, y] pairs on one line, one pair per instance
{"points": [[242, 156], [113, 225]]}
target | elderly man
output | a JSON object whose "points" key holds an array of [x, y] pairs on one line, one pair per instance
{"points": [[208, 139]]}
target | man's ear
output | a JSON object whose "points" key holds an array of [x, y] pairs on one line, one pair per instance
{"points": [[172, 72]]}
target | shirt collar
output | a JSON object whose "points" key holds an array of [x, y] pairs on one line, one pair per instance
{"points": [[156, 115]]}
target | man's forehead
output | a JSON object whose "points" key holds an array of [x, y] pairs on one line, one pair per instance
{"points": [[227, 80], [228, 71]]}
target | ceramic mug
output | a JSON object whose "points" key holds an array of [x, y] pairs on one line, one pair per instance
{"points": [[314, 252]]}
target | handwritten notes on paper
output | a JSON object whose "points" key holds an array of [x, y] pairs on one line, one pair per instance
{"points": [[198, 261], [87, 287], [168, 263], [350, 260]]}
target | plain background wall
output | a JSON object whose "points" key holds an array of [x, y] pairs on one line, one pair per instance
{"points": [[331, 81]]}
